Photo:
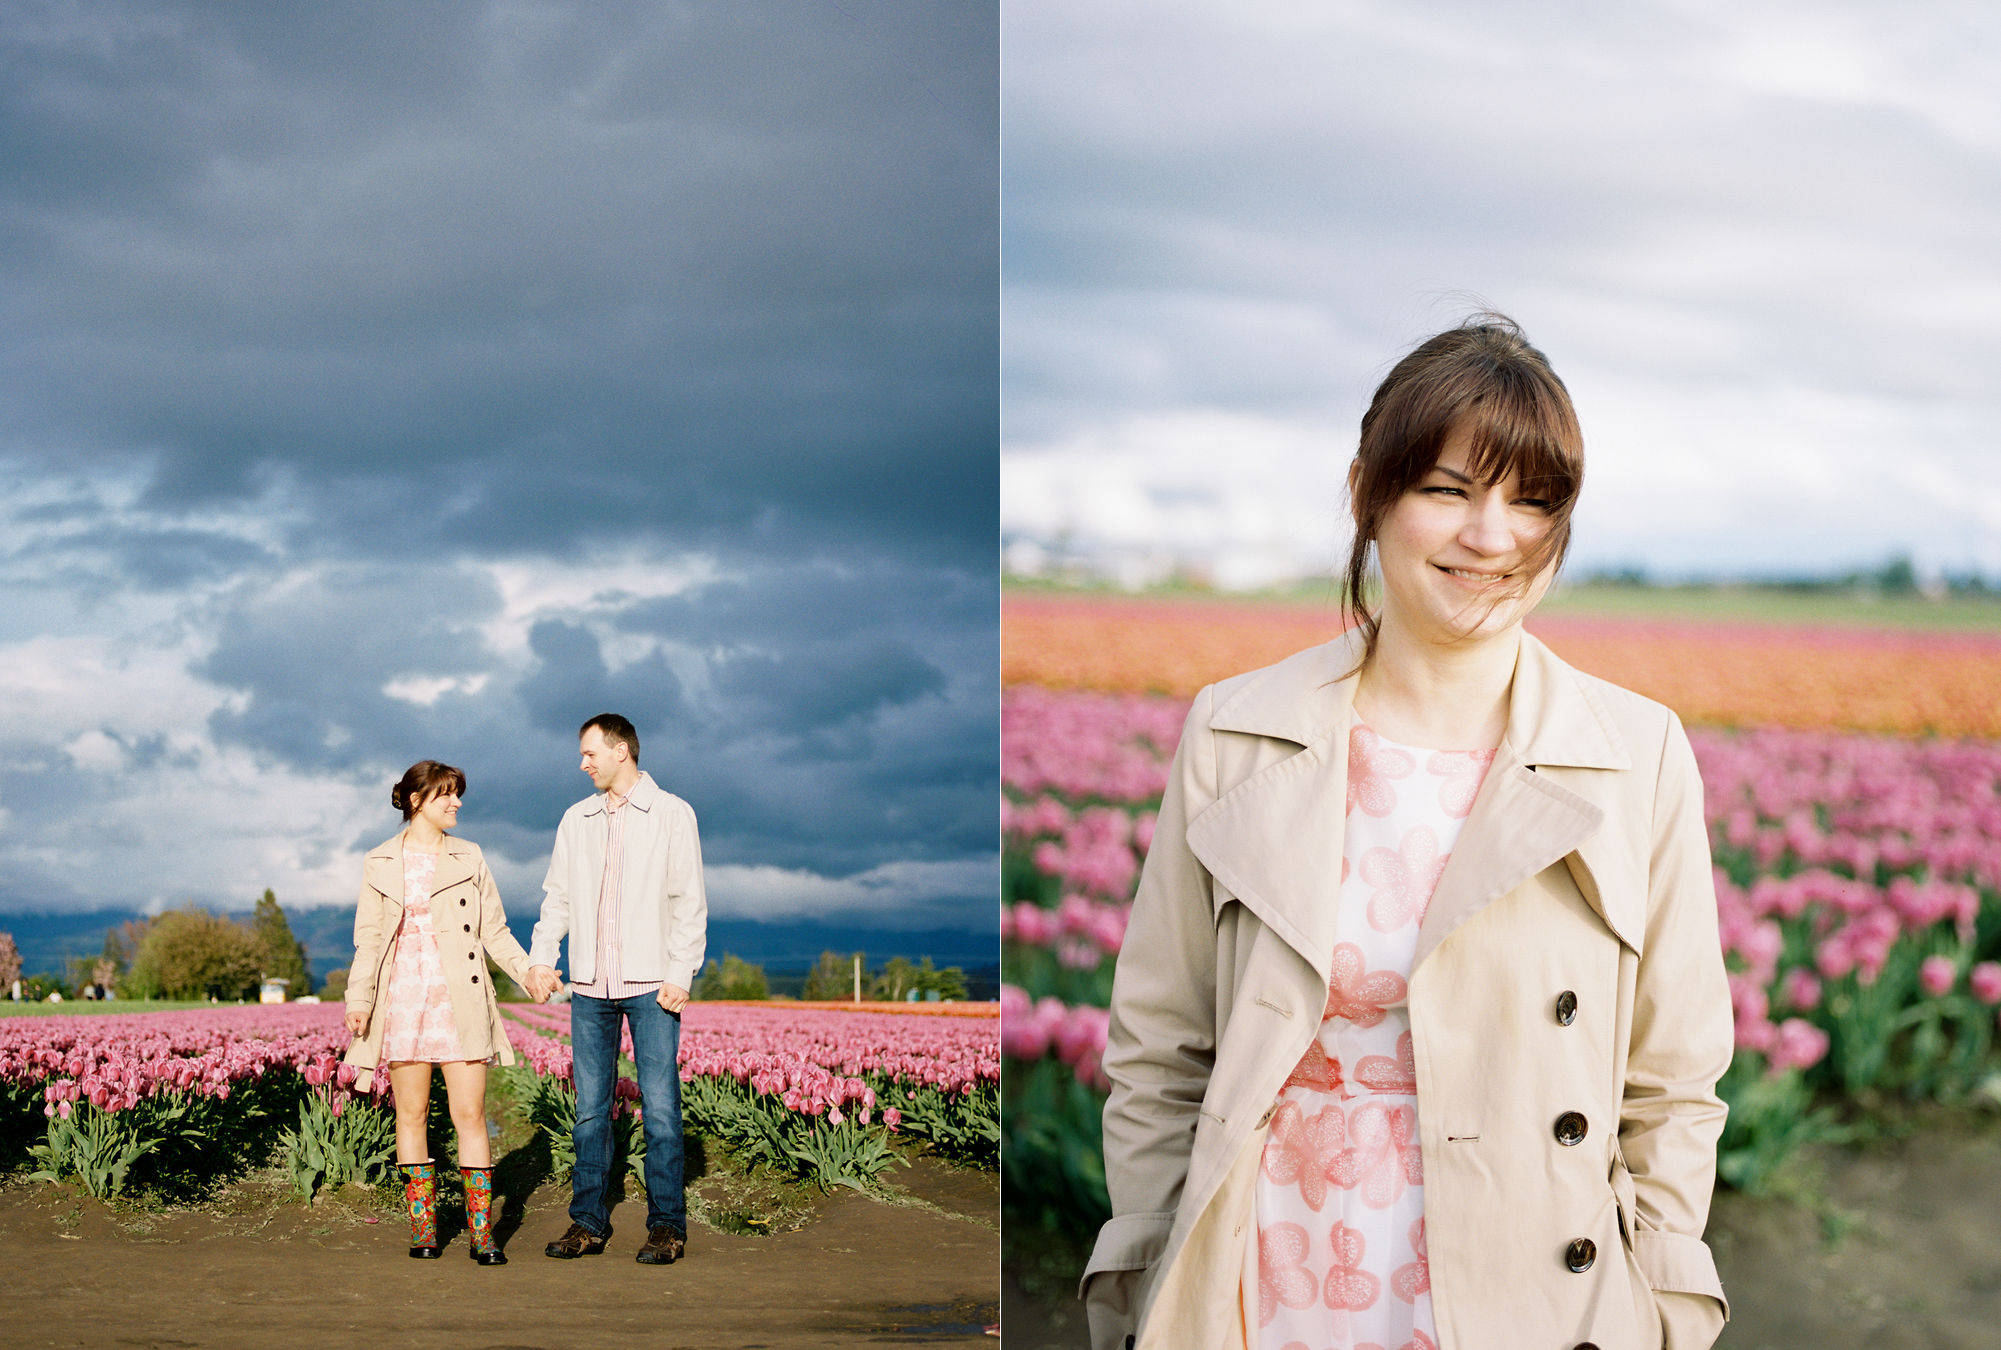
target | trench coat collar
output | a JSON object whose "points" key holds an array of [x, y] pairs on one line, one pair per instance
{"points": [[645, 795], [1275, 840], [382, 869]]}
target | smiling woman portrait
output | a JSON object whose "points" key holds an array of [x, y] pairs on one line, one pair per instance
{"points": [[1416, 1028]]}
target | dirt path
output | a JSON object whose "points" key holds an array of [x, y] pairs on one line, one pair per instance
{"points": [[1899, 1250], [257, 1269]]}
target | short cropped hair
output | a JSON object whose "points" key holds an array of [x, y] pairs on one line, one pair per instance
{"points": [[614, 729], [422, 781]]}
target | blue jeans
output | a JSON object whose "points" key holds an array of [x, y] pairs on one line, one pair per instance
{"points": [[656, 1045]]}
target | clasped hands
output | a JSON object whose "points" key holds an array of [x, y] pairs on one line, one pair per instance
{"points": [[544, 981]]}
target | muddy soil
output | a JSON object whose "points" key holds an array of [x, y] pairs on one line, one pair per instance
{"points": [[1892, 1246], [254, 1267]]}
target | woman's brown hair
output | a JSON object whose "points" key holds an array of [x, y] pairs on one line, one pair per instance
{"points": [[1482, 375], [422, 780]]}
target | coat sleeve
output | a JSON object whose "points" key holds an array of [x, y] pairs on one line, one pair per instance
{"points": [[685, 902], [1682, 1041], [494, 934], [368, 939], [545, 944], [1160, 1046]]}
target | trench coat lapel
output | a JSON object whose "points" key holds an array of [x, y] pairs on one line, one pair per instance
{"points": [[455, 865], [1524, 818], [1275, 839], [382, 870]]}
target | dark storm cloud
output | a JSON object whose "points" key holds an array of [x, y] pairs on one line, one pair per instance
{"points": [[664, 267], [328, 334]]}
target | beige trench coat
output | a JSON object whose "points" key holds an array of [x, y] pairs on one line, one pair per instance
{"points": [[470, 925], [1583, 868]]}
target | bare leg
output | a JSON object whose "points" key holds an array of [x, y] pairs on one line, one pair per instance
{"points": [[412, 1085], [465, 1088]]}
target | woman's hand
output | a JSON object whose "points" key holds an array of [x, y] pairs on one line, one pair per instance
{"points": [[357, 1022]]}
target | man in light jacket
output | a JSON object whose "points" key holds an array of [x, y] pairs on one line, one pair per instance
{"points": [[625, 883]]}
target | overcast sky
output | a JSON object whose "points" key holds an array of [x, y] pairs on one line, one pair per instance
{"points": [[1758, 242], [390, 381]]}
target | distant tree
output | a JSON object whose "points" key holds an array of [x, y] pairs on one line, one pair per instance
{"points": [[122, 946], [832, 979], [898, 979], [191, 953], [335, 988], [949, 983], [734, 978], [1898, 576], [10, 964], [284, 955], [893, 983]]}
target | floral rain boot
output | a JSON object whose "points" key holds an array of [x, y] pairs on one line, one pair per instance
{"points": [[420, 1192], [479, 1215]]}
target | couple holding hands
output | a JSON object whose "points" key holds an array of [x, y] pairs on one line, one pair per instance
{"points": [[625, 883]]}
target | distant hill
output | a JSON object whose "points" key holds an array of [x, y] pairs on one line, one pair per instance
{"points": [[47, 941]]}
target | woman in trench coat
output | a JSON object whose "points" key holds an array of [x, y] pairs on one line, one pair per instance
{"points": [[428, 917], [1568, 1015]]}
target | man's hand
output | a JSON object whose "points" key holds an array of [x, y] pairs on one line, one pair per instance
{"points": [[673, 997], [357, 1023], [544, 983]]}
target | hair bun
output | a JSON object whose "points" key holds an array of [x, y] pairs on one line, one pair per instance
{"points": [[396, 797]]}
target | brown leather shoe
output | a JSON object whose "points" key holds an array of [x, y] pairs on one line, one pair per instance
{"points": [[664, 1246], [578, 1241]]}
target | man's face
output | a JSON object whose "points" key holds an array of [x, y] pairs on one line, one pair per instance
{"points": [[602, 762]]}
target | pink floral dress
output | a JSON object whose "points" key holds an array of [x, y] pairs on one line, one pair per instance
{"points": [[418, 1017], [1339, 1242]]}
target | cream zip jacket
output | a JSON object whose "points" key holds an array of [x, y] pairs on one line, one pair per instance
{"points": [[663, 913], [1583, 869]]}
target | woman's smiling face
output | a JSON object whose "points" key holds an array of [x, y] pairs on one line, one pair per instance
{"points": [[1453, 551]]}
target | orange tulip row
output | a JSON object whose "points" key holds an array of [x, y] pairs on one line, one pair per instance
{"points": [[1725, 673]]}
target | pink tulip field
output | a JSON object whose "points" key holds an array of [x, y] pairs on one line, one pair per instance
{"points": [[1858, 882], [172, 1098], [809, 1091]]}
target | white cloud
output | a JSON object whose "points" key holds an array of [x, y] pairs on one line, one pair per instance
{"points": [[1757, 242], [543, 589], [425, 690]]}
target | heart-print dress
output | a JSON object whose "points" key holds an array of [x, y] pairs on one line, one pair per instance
{"points": [[1337, 1259]]}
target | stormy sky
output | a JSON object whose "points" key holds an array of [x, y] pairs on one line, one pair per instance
{"points": [[1758, 242], [386, 381]]}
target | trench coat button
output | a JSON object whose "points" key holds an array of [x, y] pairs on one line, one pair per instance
{"points": [[468, 928], [1580, 1254], [474, 956], [462, 901], [1566, 1008], [475, 979], [1571, 1128], [1265, 1119], [1585, 1345]]}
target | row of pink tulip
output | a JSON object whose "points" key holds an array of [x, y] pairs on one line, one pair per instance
{"points": [[811, 1061], [116, 1061], [1032, 1028], [769, 1045], [1081, 931]]}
